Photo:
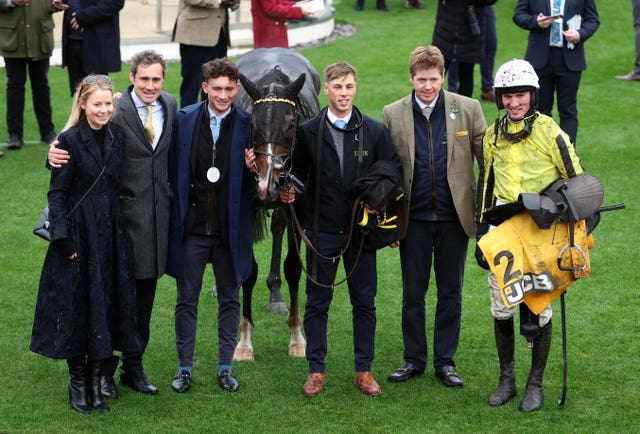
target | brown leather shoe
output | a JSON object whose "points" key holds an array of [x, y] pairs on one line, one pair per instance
{"points": [[366, 384], [314, 384]]}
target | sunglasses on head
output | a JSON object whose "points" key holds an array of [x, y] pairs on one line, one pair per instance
{"points": [[90, 79]]}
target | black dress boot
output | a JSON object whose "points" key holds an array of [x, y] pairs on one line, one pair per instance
{"points": [[533, 395], [506, 389], [95, 372], [78, 384]]}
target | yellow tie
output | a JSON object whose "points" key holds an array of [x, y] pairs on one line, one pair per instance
{"points": [[148, 126]]}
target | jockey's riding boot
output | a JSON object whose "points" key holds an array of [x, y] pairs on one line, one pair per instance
{"points": [[78, 384], [506, 389], [533, 396], [95, 372]]}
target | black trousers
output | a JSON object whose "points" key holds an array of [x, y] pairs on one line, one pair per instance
{"points": [[192, 58], [444, 243], [145, 296], [198, 250], [362, 287], [40, 92]]}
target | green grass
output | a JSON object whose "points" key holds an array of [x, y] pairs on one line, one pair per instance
{"points": [[603, 326]]}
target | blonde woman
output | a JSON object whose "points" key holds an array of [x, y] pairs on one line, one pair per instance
{"points": [[86, 299]]}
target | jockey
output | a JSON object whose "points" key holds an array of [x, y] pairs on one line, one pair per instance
{"points": [[524, 151]]}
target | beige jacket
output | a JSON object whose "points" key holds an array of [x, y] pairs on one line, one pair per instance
{"points": [[199, 22]]}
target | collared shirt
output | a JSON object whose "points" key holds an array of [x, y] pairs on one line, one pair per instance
{"points": [[423, 105], [157, 116], [215, 121], [333, 118], [338, 136]]}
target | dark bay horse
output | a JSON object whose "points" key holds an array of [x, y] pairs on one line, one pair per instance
{"points": [[280, 88]]}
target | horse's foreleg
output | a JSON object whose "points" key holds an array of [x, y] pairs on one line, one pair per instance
{"points": [[274, 281], [292, 272], [244, 349]]}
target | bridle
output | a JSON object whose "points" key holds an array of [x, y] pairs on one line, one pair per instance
{"points": [[278, 159]]}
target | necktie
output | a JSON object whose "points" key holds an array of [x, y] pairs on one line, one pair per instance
{"points": [[556, 27], [148, 125], [215, 128], [340, 124], [427, 111]]}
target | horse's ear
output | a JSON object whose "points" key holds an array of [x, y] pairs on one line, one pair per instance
{"points": [[249, 87], [293, 89]]}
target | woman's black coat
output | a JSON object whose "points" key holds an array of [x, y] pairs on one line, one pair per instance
{"points": [[452, 33], [86, 306]]}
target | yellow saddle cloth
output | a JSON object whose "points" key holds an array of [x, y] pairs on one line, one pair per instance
{"points": [[524, 259]]}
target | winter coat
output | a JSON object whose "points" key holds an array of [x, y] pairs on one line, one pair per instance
{"points": [[27, 32], [100, 21], [335, 202], [87, 305], [452, 33], [270, 22], [186, 131], [145, 195]]}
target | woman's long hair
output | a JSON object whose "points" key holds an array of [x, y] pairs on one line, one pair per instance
{"points": [[86, 87]]}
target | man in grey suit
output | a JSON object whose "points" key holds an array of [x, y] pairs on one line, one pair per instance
{"points": [[436, 135], [145, 113]]}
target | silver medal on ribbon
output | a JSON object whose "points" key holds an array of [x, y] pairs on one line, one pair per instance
{"points": [[213, 174]]}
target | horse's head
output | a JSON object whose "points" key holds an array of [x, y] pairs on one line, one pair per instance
{"points": [[274, 121]]}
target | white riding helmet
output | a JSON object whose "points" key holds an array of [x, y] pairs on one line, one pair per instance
{"points": [[515, 75]]}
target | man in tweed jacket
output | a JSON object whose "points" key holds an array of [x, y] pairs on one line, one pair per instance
{"points": [[436, 135]]}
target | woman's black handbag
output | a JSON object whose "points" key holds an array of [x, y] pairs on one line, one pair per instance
{"points": [[41, 228]]}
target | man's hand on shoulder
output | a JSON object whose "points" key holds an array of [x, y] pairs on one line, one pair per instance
{"points": [[57, 157]]}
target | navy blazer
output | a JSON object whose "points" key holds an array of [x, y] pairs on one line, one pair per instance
{"points": [[241, 189], [525, 15]]}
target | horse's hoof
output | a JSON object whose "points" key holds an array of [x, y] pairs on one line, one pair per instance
{"points": [[297, 350], [243, 354], [278, 307]]}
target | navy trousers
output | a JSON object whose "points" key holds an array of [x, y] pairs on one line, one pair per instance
{"points": [[556, 78], [362, 286], [444, 243], [192, 58], [199, 250]]}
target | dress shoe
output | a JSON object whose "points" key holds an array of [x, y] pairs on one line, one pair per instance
{"points": [[488, 95], [367, 385], [358, 7], [404, 373], [108, 387], [449, 376], [227, 381], [632, 76], [181, 382], [138, 382], [383, 9], [15, 142], [48, 137], [314, 384]]}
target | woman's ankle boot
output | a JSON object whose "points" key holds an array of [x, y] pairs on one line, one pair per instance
{"points": [[78, 384], [97, 399]]}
